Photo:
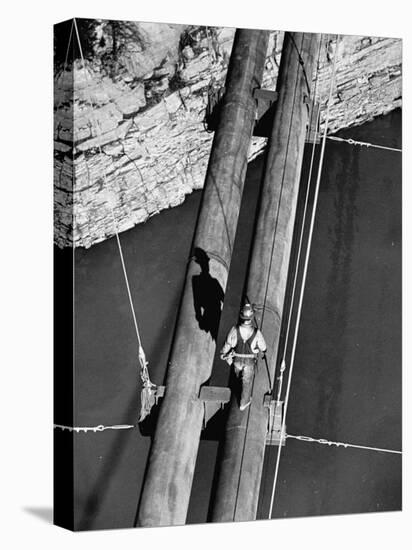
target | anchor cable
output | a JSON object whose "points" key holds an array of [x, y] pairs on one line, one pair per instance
{"points": [[141, 355], [119, 246], [340, 444], [363, 143]]}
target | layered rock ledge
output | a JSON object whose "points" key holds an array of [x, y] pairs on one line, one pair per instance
{"points": [[130, 145]]}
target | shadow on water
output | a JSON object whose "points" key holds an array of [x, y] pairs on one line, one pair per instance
{"points": [[208, 296]]}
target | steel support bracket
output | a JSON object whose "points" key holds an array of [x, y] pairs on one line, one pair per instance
{"points": [[274, 435], [307, 100], [265, 100], [313, 130], [214, 398], [159, 392]]}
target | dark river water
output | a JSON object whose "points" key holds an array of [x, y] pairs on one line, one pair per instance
{"points": [[347, 376]]}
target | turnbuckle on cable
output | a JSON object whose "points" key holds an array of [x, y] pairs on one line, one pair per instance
{"points": [[340, 444], [313, 440], [99, 428]]}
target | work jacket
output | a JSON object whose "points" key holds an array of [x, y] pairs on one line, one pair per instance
{"points": [[236, 345]]}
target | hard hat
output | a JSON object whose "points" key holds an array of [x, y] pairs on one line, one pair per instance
{"points": [[246, 312]]}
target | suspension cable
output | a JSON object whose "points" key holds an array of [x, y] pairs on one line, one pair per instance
{"points": [[305, 268], [279, 200], [301, 62], [283, 361], [282, 367]]}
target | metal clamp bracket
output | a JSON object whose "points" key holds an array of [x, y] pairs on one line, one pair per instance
{"points": [[214, 398], [275, 435]]}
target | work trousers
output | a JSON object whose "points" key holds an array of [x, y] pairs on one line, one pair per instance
{"points": [[244, 369]]}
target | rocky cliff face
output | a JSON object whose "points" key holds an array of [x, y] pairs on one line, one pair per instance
{"points": [[130, 137]]}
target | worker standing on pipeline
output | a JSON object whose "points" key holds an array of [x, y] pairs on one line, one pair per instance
{"points": [[243, 344]]}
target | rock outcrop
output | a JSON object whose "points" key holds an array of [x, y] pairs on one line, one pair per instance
{"points": [[131, 141]]}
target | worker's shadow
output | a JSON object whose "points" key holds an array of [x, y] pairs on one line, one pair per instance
{"points": [[208, 295]]}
